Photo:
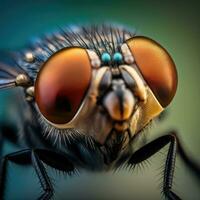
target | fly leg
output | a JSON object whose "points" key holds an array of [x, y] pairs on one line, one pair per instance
{"points": [[153, 147], [36, 157]]}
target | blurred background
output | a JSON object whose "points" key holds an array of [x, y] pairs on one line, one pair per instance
{"points": [[174, 25]]}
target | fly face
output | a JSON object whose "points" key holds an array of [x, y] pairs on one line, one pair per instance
{"points": [[108, 96]]}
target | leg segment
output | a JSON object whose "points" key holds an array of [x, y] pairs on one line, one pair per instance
{"points": [[153, 147], [53, 159], [43, 177]]}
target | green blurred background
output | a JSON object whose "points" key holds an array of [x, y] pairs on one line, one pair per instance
{"points": [[177, 27]]}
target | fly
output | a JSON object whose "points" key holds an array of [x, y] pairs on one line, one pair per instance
{"points": [[88, 95]]}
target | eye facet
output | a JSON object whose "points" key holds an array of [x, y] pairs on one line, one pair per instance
{"points": [[156, 66], [62, 83]]}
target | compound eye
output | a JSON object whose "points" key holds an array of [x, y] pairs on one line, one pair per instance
{"points": [[156, 66], [62, 83]]}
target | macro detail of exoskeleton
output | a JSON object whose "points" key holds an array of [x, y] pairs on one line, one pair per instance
{"points": [[88, 93]]}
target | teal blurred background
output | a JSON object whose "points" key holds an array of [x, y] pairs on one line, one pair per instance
{"points": [[177, 27]]}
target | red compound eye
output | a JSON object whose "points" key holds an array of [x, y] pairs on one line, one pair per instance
{"points": [[62, 83], [156, 66]]}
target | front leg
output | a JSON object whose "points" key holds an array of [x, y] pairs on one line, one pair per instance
{"points": [[153, 147], [36, 157]]}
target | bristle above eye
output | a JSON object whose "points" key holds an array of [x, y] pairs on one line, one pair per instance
{"points": [[99, 38]]}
